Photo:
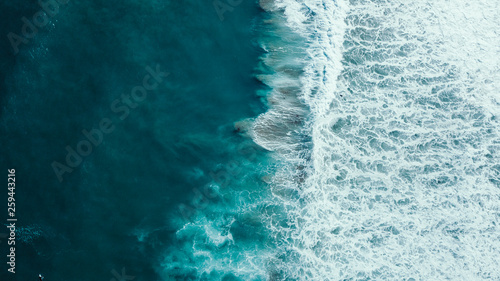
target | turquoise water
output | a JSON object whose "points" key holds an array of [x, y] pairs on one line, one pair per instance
{"points": [[254, 140]]}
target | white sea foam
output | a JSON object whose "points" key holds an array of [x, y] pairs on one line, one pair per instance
{"points": [[401, 102]]}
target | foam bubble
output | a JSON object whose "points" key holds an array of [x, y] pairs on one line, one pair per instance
{"points": [[400, 100]]}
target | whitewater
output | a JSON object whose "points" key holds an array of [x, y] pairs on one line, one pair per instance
{"points": [[383, 129], [384, 115]]}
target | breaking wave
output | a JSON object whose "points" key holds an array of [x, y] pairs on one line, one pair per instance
{"points": [[384, 118]]}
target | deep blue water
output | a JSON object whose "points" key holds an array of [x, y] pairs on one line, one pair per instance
{"points": [[65, 80]]}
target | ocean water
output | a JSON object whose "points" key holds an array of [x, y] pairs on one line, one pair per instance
{"points": [[120, 208], [284, 140], [401, 167]]}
